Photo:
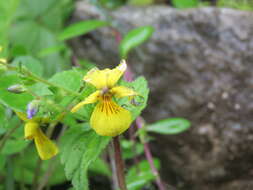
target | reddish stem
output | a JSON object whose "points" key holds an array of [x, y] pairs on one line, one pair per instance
{"points": [[139, 122], [133, 139], [117, 35], [119, 163], [128, 76]]}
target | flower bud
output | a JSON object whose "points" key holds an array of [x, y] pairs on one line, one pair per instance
{"points": [[32, 108], [16, 88]]}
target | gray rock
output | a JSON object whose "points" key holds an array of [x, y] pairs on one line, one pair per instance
{"points": [[199, 64]]}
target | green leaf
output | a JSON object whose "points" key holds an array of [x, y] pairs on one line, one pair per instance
{"points": [[81, 28], [14, 145], [49, 13], [2, 161], [134, 38], [141, 87], [40, 38], [140, 175], [42, 21], [241, 5], [11, 123], [99, 166], [26, 163], [130, 149], [111, 4], [169, 126], [140, 2], [181, 4], [30, 63], [71, 79], [85, 64], [51, 50], [40, 89], [80, 148], [2, 118], [15, 101], [7, 13]]}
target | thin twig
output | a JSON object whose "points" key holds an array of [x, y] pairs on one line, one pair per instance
{"points": [[119, 163], [7, 135], [139, 123], [36, 174], [48, 173]]}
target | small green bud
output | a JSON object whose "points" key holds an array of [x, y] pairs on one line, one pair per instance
{"points": [[16, 88]]}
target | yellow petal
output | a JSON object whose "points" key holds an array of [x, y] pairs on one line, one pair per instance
{"points": [[45, 147], [89, 100], [22, 116], [116, 74], [105, 78], [97, 77], [122, 91], [3, 60], [109, 119], [31, 129]]}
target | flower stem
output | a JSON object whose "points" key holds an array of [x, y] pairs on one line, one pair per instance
{"points": [[119, 164], [128, 75], [115, 184]]}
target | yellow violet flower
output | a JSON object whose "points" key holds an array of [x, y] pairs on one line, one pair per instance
{"points": [[108, 118], [45, 147], [2, 59]]}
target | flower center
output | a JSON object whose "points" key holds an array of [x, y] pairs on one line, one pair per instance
{"points": [[104, 91], [107, 105]]}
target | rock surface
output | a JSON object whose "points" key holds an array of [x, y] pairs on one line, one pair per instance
{"points": [[199, 64]]}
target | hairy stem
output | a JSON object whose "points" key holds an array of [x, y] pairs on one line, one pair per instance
{"points": [[119, 163], [39, 79]]}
